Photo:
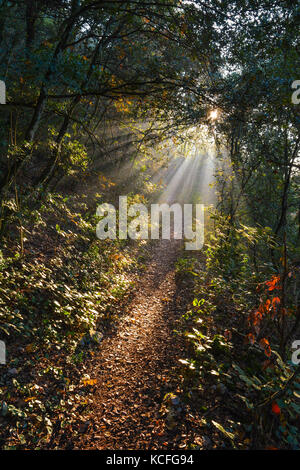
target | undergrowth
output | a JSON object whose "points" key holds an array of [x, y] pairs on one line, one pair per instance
{"points": [[237, 376], [62, 290]]}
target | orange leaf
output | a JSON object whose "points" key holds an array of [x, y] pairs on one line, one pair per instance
{"points": [[89, 381], [264, 343], [30, 398], [267, 305], [272, 284]]}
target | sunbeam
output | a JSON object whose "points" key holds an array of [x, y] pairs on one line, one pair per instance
{"points": [[191, 181]]}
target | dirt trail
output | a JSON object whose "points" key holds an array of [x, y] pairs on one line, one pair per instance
{"points": [[136, 367]]}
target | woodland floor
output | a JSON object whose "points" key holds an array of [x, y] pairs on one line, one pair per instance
{"points": [[138, 365]]}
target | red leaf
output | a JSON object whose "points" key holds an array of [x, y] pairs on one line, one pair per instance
{"points": [[275, 408]]}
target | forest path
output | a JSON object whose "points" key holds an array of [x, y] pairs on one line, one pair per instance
{"points": [[136, 367]]}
